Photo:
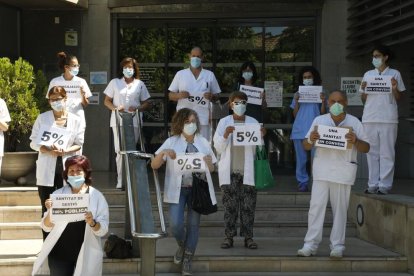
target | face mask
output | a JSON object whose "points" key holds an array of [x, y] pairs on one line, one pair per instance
{"points": [[336, 109], [195, 62], [247, 75], [74, 71], [377, 62], [57, 106], [239, 109], [190, 128], [128, 72], [307, 82], [76, 181]]}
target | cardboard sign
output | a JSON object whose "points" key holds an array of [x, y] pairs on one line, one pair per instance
{"points": [[69, 207], [57, 136], [72, 88], [310, 94], [332, 137], [378, 85], [274, 93], [247, 135], [189, 162], [254, 94]]}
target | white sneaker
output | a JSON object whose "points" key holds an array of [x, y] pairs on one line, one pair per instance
{"points": [[306, 252], [336, 253]]}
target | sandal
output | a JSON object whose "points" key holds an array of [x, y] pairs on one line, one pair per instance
{"points": [[249, 243], [227, 243]]}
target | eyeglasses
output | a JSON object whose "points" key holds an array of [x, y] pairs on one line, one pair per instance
{"points": [[239, 102], [74, 65], [56, 100]]}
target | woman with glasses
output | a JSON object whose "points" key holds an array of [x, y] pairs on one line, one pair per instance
{"points": [[56, 135], [74, 248], [236, 174], [76, 88]]}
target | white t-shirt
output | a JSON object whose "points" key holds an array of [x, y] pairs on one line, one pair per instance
{"points": [[184, 80], [382, 108], [5, 117], [333, 165], [73, 103], [126, 95]]}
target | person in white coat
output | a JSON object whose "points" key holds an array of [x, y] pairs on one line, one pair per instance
{"points": [[334, 173], [78, 92], [178, 186], [127, 93], [74, 248], [54, 126], [380, 119], [4, 126], [236, 174]]}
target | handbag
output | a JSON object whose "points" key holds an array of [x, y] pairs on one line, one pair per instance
{"points": [[117, 248], [263, 177], [201, 200]]}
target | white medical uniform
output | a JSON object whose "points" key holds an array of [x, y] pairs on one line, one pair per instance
{"points": [[184, 80], [5, 117], [334, 173], [380, 119], [126, 95]]}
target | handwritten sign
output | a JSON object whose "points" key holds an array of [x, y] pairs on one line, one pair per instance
{"points": [[52, 135], [247, 135], [332, 137], [199, 101], [254, 94], [189, 162], [274, 93], [310, 94], [351, 86], [69, 207], [72, 88], [378, 85]]}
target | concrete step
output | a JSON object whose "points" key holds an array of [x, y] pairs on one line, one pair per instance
{"points": [[19, 196], [274, 255], [20, 213], [256, 273]]}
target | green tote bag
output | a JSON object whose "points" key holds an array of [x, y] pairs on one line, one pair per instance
{"points": [[263, 176]]}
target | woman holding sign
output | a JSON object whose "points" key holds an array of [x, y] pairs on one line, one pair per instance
{"points": [[304, 113], [76, 88], [236, 172], [380, 119], [73, 246], [56, 135], [180, 177]]}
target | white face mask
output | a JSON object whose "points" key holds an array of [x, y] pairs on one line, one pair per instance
{"points": [[247, 75], [57, 105], [128, 72], [195, 62], [239, 109], [307, 82], [377, 62], [190, 128]]}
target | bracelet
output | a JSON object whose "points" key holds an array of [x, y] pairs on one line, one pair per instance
{"points": [[94, 224]]}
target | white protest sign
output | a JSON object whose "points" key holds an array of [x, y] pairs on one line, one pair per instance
{"points": [[254, 94], [310, 94], [378, 85], [274, 93], [69, 207], [247, 135], [332, 137], [199, 101], [72, 88], [52, 135], [189, 162], [351, 86]]}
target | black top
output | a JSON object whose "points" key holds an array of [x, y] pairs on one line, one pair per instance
{"points": [[70, 242]]}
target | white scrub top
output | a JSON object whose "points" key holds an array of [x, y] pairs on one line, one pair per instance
{"points": [[5, 117], [382, 108], [184, 80]]}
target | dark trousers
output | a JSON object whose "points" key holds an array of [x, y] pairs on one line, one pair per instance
{"points": [[60, 267]]}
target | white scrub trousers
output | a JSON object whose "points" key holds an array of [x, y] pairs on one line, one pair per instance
{"points": [[381, 155], [339, 198]]}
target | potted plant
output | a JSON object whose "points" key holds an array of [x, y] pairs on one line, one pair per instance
{"points": [[18, 88]]}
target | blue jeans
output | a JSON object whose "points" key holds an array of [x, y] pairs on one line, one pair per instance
{"points": [[189, 235]]}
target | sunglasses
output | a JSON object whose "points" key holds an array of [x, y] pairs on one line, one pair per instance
{"points": [[239, 102]]}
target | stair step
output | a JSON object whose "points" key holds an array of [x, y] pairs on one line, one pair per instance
{"points": [[256, 273], [20, 213]]}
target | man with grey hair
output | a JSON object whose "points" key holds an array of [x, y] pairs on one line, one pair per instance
{"points": [[334, 172], [194, 88]]}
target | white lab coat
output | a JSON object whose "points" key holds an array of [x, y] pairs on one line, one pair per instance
{"points": [[46, 163], [89, 262], [223, 148], [172, 185]]}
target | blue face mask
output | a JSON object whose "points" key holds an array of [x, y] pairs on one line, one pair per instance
{"points": [[239, 109], [76, 181], [195, 62], [247, 75], [74, 71], [307, 82], [377, 62], [190, 129], [128, 72], [336, 109]]}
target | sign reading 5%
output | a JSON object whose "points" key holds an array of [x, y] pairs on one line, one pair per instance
{"points": [[247, 135], [57, 136], [199, 100], [190, 162]]}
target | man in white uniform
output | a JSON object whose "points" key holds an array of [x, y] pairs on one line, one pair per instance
{"points": [[380, 119], [334, 173], [4, 120], [195, 88]]}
